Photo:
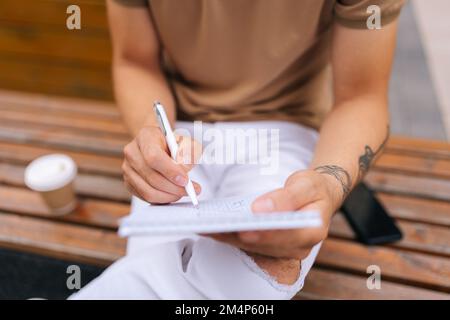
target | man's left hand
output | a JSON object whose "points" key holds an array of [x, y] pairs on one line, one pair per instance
{"points": [[303, 190]]}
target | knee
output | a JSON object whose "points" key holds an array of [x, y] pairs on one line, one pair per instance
{"points": [[284, 271]]}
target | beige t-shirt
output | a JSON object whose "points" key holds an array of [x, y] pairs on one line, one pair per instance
{"points": [[238, 60]]}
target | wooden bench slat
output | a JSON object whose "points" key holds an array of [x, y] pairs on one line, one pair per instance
{"points": [[45, 42], [52, 12], [325, 284], [87, 162], [417, 236], [75, 122], [415, 146], [90, 212], [87, 185], [400, 266], [53, 76], [414, 165], [425, 187], [416, 209], [15, 100], [102, 187], [63, 139], [60, 240]]}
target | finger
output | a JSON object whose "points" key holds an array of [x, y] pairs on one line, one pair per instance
{"points": [[158, 159], [270, 251], [156, 179], [132, 190], [272, 237], [299, 238], [303, 237], [289, 198], [147, 192], [152, 177], [233, 239]]}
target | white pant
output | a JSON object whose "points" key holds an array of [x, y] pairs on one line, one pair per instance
{"points": [[194, 267]]}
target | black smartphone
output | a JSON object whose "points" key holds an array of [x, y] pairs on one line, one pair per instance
{"points": [[368, 218]]}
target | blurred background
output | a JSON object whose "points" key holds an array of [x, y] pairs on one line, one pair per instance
{"points": [[38, 54]]}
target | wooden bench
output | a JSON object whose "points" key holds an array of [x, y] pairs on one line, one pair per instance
{"points": [[412, 179], [39, 54]]}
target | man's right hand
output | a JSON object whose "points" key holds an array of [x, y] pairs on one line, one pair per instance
{"points": [[151, 174]]}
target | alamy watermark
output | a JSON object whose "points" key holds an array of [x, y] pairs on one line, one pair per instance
{"points": [[253, 146], [73, 21], [373, 22], [373, 282], [73, 281]]}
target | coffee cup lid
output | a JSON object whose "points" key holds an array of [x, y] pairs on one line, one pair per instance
{"points": [[50, 172]]}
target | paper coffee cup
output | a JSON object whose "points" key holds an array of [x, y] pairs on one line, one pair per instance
{"points": [[53, 176]]}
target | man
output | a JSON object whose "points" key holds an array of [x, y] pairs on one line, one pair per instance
{"points": [[297, 66]]}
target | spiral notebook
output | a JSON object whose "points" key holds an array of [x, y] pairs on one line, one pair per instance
{"points": [[212, 216]]}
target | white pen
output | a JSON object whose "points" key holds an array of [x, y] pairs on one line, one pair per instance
{"points": [[166, 129]]}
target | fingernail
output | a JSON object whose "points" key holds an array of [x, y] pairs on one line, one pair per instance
{"points": [[180, 180], [250, 237], [263, 205]]}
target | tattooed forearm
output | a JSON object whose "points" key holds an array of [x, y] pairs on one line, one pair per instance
{"points": [[366, 159], [340, 174], [364, 163]]}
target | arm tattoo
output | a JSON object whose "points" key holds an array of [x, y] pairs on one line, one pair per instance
{"points": [[340, 174], [364, 163], [366, 159]]}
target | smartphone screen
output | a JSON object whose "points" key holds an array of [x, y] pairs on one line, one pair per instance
{"points": [[368, 218]]}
